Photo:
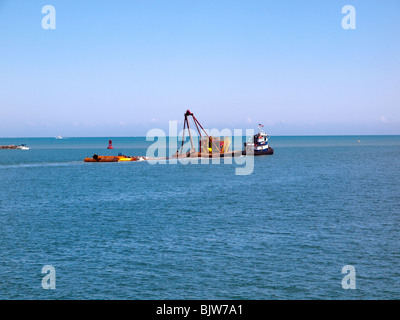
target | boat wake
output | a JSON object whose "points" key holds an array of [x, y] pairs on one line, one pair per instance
{"points": [[39, 164]]}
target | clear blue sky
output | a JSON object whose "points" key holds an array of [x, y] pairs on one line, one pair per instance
{"points": [[119, 68]]}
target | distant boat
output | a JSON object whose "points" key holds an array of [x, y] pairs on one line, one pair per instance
{"points": [[23, 147], [59, 138], [11, 146]]}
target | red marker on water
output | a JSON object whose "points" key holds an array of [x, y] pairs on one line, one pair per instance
{"points": [[110, 145]]}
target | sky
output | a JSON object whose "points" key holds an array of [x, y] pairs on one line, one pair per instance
{"points": [[121, 68]]}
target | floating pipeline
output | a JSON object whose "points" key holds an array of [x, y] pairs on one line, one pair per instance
{"points": [[123, 158], [97, 158]]}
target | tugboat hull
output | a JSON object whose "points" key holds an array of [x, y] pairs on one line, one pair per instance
{"points": [[266, 152]]}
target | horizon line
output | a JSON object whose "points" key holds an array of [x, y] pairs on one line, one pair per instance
{"points": [[111, 137]]}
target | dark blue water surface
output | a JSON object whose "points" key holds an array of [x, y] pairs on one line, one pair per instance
{"points": [[141, 231]]}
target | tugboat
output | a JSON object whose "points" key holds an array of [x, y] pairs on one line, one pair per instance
{"points": [[259, 146]]}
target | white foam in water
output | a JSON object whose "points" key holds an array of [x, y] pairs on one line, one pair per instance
{"points": [[42, 164]]}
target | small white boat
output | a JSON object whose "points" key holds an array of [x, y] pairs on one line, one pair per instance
{"points": [[23, 147], [59, 138]]}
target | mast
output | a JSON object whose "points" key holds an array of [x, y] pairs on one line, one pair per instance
{"points": [[199, 128]]}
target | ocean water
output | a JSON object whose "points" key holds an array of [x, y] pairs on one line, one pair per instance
{"points": [[141, 231]]}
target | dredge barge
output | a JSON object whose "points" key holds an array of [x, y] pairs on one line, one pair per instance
{"points": [[209, 146]]}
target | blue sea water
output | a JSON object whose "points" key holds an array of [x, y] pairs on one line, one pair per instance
{"points": [[140, 231]]}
